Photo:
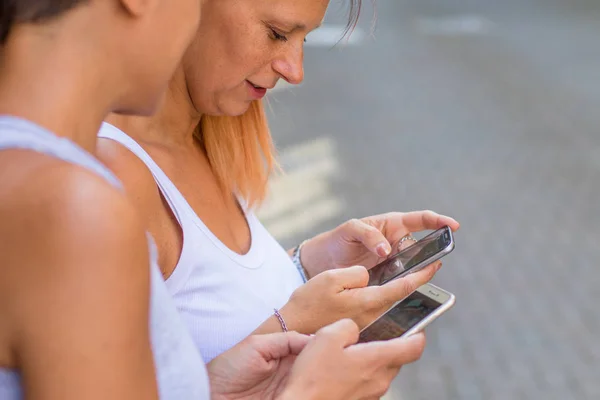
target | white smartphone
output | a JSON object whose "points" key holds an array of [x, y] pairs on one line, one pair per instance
{"points": [[410, 315], [413, 258]]}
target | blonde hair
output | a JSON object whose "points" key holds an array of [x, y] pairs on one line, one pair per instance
{"points": [[241, 152]]}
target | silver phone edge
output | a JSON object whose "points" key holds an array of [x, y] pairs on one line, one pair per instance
{"points": [[431, 317], [425, 263], [445, 306]]}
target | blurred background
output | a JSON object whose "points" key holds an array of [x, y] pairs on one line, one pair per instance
{"points": [[487, 111]]}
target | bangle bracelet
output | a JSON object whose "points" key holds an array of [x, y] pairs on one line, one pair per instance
{"points": [[280, 318], [298, 262]]}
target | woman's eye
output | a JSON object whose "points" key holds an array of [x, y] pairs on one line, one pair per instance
{"points": [[279, 36]]}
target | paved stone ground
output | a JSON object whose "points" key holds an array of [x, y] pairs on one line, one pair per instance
{"points": [[487, 111]]}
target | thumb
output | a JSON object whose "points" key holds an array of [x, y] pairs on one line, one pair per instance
{"points": [[346, 278], [279, 345]]}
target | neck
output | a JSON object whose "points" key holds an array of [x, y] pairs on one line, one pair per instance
{"points": [[175, 123], [55, 82]]}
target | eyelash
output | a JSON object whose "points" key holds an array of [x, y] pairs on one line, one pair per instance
{"points": [[279, 36]]}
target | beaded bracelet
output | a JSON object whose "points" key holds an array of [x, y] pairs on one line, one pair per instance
{"points": [[280, 318]]}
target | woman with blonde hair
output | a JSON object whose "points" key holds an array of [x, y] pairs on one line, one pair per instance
{"points": [[199, 168], [84, 310]]}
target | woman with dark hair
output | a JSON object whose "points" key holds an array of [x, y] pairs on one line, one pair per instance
{"points": [[82, 316]]}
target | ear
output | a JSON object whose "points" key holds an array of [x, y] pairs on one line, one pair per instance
{"points": [[137, 8]]}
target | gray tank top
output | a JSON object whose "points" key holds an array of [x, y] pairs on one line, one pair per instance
{"points": [[180, 372]]}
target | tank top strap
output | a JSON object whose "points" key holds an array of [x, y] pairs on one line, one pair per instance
{"points": [[167, 188], [18, 133], [177, 203]]}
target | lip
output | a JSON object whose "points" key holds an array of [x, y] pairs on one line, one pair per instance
{"points": [[256, 93]]}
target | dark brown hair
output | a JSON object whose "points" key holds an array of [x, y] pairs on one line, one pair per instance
{"points": [[30, 11]]}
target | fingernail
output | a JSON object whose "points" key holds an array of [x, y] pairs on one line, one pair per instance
{"points": [[383, 249]]}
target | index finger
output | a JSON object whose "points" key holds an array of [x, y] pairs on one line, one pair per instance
{"points": [[416, 221]]}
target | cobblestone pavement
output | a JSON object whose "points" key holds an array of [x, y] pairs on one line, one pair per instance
{"points": [[487, 111]]}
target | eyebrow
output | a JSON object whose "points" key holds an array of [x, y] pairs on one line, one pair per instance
{"points": [[300, 26]]}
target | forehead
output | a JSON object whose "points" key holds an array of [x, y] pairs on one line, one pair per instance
{"points": [[298, 14]]}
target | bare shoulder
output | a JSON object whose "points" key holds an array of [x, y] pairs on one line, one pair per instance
{"points": [[66, 200], [135, 175], [57, 218], [74, 279]]}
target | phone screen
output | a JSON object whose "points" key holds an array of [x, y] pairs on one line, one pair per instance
{"points": [[401, 318], [410, 257]]}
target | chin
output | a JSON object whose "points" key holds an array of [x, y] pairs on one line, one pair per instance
{"points": [[233, 109]]}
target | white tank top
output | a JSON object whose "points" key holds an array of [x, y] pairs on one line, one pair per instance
{"points": [[221, 295], [180, 373]]}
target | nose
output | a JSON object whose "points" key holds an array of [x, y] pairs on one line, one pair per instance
{"points": [[290, 65]]}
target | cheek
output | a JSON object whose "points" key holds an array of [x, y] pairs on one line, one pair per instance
{"points": [[215, 61], [245, 51], [222, 57]]}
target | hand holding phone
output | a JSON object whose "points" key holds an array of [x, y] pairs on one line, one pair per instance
{"points": [[413, 258], [410, 315], [333, 367]]}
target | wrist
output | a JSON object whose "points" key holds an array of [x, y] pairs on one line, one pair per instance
{"points": [[290, 314], [296, 254], [314, 256], [280, 319], [273, 324], [292, 317]]}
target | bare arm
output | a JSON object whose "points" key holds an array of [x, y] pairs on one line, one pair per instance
{"points": [[145, 195], [75, 282], [342, 293]]}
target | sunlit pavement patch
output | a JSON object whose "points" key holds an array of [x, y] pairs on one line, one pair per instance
{"points": [[302, 198], [459, 25]]}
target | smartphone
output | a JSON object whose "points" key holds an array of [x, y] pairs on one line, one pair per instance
{"points": [[413, 258], [410, 315]]}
